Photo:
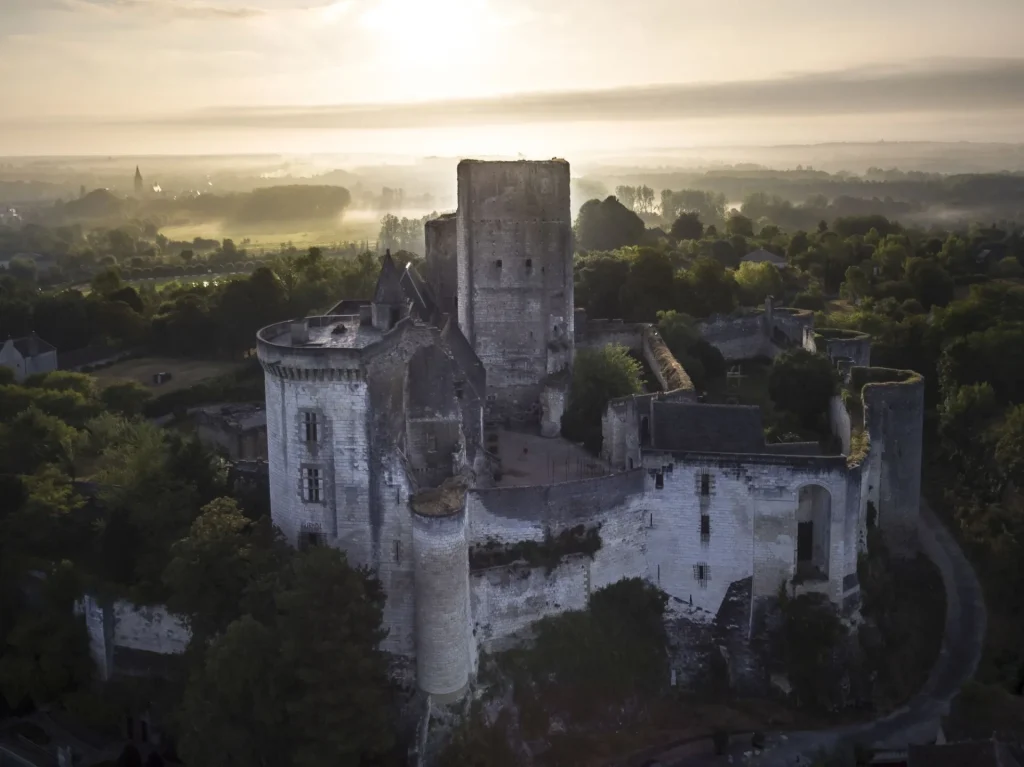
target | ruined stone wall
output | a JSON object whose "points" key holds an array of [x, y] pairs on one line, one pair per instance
{"points": [[515, 272], [738, 337], [839, 422], [752, 514], [506, 601], [791, 323], [512, 514], [670, 375], [441, 261], [597, 334], [122, 624], [894, 419], [441, 564], [839, 344], [553, 401]]}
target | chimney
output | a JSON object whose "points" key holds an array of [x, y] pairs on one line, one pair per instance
{"points": [[366, 314], [300, 331]]}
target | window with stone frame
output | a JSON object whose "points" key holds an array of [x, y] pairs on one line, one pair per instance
{"points": [[312, 484], [311, 535], [705, 484], [702, 574], [311, 426], [705, 528]]}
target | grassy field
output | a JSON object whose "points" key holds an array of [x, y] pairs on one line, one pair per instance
{"points": [[355, 227], [184, 372]]}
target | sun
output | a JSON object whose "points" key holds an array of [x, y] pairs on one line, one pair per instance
{"points": [[430, 35]]}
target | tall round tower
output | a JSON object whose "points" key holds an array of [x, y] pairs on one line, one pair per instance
{"points": [[317, 431], [441, 572]]}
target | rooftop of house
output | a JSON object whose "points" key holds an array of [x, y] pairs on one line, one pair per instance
{"points": [[761, 255], [32, 346]]}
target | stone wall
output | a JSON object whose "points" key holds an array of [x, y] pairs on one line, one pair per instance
{"points": [[515, 272], [894, 419], [665, 367], [512, 514], [597, 334], [839, 344], [506, 601], [123, 625], [742, 336], [441, 261]]}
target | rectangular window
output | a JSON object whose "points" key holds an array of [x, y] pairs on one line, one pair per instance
{"points": [[432, 442], [659, 480], [310, 426], [705, 528], [702, 574], [312, 485], [705, 484]]}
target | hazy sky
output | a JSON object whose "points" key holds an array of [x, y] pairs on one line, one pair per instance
{"points": [[185, 76]]}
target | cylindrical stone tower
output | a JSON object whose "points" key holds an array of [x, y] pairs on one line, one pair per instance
{"points": [[441, 572]]}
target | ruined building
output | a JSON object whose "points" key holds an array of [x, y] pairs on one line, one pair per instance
{"points": [[418, 431]]}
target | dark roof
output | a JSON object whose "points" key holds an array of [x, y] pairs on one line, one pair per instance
{"points": [[416, 290], [700, 428], [32, 345], [761, 255], [348, 306], [389, 285], [986, 753], [464, 356]]}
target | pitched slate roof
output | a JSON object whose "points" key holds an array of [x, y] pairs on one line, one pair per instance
{"points": [[464, 356], [389, 284], [416, 290], [761, 255], [697, 427], [32, 345]]}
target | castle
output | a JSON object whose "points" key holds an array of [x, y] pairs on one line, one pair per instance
{"points": [[419, 433]]}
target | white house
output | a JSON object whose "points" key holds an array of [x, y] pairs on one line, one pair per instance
{"points": [[27, 356]]}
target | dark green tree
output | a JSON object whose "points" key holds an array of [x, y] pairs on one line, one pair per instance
{"points": [[802, 383], [688, 226], [607, 225], [598, 376]]}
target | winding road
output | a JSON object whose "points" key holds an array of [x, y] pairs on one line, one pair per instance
{"points": [[918, 720]]}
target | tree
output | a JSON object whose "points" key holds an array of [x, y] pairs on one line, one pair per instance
{"points": [[688, 227], [598, 376], [758, 281], [126, 398], [224, 548], [234, 710], [187, 255], [305, 686], [802, 383], [738, 224], [33, 438], [856, 285], [599, 279], [649, 287], [931, 283], [707, 288], [608, 225]]}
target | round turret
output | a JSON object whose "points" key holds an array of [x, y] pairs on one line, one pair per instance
{"points": [[441, 572]]}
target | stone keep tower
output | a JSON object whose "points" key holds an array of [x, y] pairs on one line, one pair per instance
{"points": [[515, 282]]}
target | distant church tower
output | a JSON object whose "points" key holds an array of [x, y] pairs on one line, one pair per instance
{"points": [[138, 183]]}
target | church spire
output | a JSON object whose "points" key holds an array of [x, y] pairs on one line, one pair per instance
{"points": [[138, 182]]}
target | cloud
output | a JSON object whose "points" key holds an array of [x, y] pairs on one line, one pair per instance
{"points": [[963, 86], [939, 86], [172, 8]]}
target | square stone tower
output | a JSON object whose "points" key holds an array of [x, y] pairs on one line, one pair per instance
{"points": [[515, 280]]}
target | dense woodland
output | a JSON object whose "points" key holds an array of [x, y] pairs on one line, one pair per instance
{"points": [[96, 498]]}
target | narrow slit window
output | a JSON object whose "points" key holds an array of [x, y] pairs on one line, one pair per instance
{"points": [[498, 263], [529, 263], [659, 480], [702, 574], [705, 484], [705, 528], [310, 426]]}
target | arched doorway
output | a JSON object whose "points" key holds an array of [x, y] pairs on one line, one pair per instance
{"points": [[813, 533]]}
